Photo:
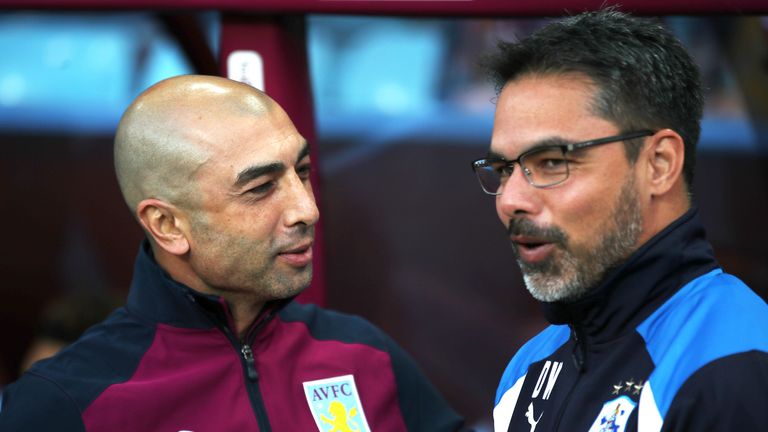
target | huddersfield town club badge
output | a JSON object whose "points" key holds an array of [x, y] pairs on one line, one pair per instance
{"points": [[335, 405], [614, 415]]}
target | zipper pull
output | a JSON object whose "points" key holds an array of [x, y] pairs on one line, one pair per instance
{"points": [[579, 350], [250, 367]]}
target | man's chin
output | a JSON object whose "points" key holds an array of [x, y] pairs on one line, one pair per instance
{"points": [[542, 295], [551, 289], [301, 282]]}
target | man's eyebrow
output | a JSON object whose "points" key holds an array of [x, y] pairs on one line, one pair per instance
{"points": [[253, 172], [546, 142], [256, 171], [493, 155]]}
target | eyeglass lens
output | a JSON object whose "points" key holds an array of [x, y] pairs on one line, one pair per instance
{"points": [[542, 167], [546, 166]]}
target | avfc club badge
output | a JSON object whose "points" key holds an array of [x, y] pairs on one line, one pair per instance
{"points": [[335, 405], [614, 415]]}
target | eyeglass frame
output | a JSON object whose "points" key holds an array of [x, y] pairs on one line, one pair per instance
{"points": [[485, 162]]}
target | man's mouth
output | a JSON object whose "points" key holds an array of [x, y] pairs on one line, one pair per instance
{"points": [[531, 250], [532, 243], [297, 255]]}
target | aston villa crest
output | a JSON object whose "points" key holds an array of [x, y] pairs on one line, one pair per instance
{"points": [[335, 405]]}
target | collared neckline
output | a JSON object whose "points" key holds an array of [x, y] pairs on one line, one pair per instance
{"points": [[632, 291], [158, 298]]}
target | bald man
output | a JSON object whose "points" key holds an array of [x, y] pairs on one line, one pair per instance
{"points": [[210, 340]]}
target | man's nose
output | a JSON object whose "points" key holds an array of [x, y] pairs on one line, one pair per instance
{"points": [[517, 196], [301, 207]]}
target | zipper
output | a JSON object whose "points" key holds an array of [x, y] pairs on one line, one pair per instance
{"points": [[578, 355], [252, 379], [248, 363], [245, 352], [250, 367], [254, 391]]}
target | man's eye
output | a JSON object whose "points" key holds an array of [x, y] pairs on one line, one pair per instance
{"points": [[553, 163], [304, 171], [501, 169], [548, 160], [262, 188]]}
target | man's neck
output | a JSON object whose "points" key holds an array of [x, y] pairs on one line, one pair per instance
{"points": [[242, 306], [244, 314], [663, 211]]}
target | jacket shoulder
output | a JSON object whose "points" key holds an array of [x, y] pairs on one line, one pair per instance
{"points": [[724, 395], [36, 403], [106, 354], [710, 319], [329, 325]]}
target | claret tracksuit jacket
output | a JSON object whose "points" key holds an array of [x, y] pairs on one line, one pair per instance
{"points": [[667, 342], [168, 362]]}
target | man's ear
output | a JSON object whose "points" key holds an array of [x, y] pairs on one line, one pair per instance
{"points": [[162, 221], [664, 159]]}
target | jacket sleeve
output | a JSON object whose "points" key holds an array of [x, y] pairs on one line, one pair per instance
{"points": [[423, 408], [729, 394], [35, 404]]}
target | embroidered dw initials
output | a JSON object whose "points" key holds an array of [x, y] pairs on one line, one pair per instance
{"points": [[549, 373]]}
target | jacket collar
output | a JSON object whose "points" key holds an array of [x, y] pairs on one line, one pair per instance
{"points": [[652, 274], [159, 299]]}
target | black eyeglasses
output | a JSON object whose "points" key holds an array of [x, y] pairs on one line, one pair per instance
{"points": [[542, 166]]}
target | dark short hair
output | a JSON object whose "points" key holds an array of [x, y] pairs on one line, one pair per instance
{"points": [[645, 78]]}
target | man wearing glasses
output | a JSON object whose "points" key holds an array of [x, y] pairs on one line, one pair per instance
{"points": [[591, 163]]}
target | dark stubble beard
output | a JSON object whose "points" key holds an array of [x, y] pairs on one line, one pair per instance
{"points": [[576, 270]]}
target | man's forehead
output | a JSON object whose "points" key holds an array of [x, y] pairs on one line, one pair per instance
{"points": [[533, 102], [288, 151], [249, 139]]}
